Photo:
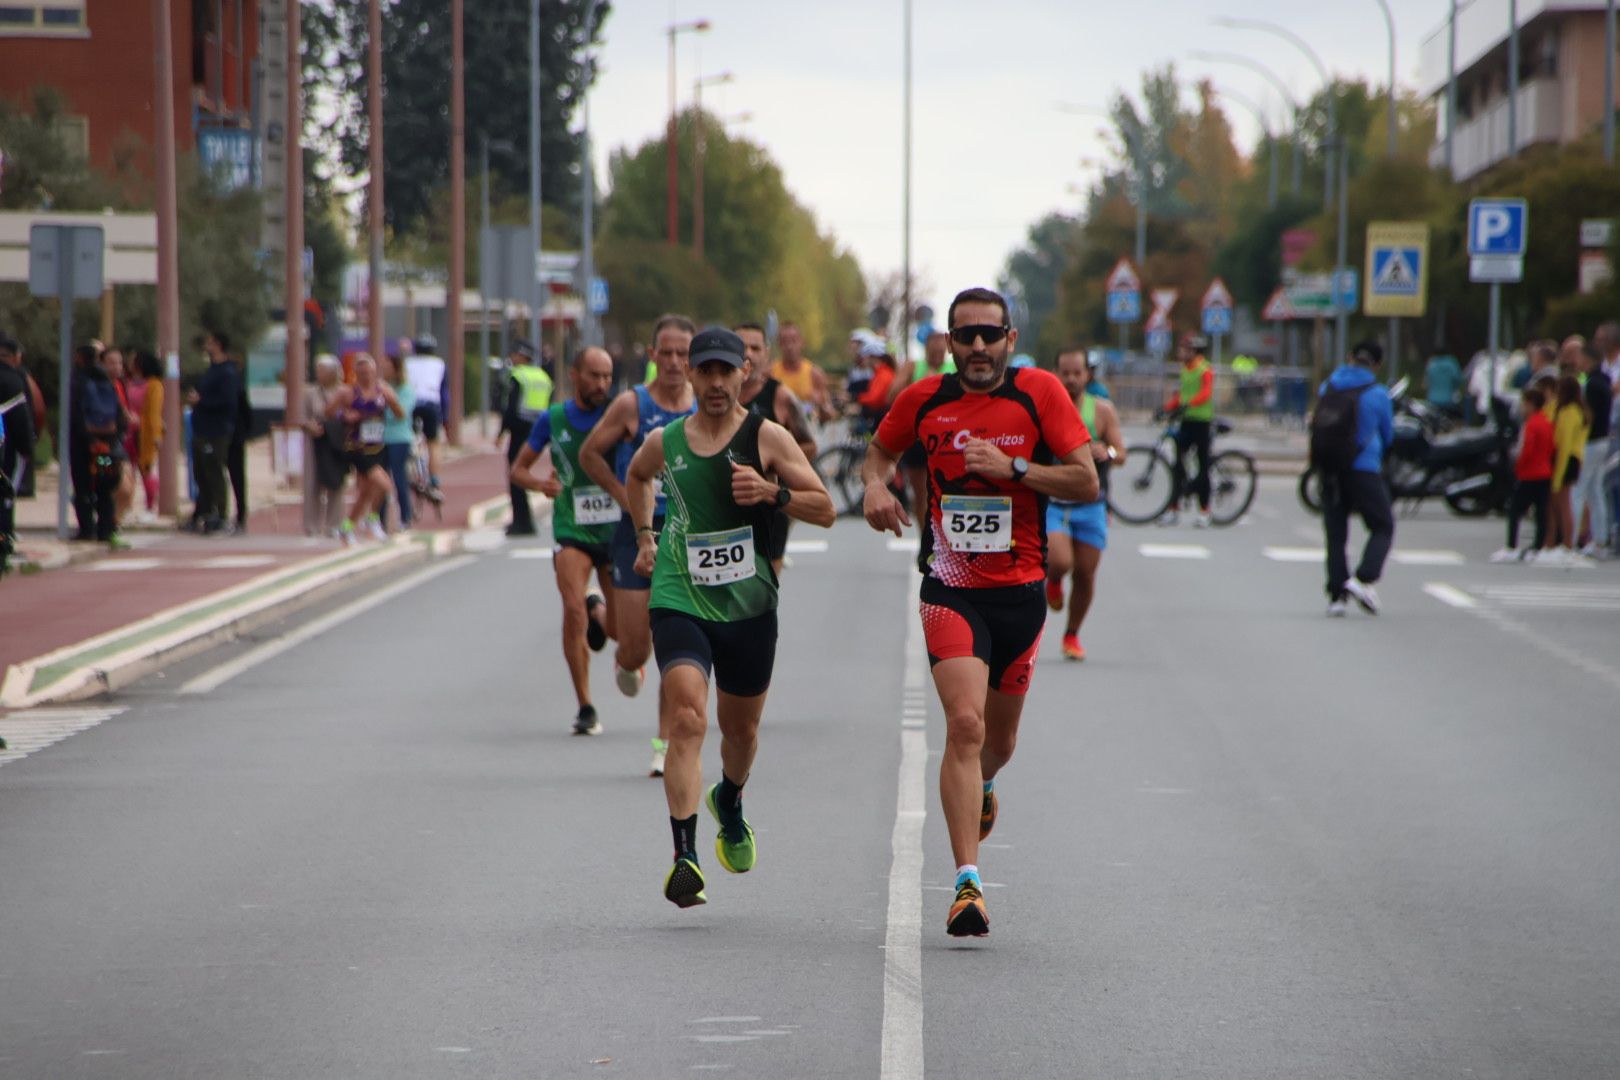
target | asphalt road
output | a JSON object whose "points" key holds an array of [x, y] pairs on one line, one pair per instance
{"points": [[1239, 841]]}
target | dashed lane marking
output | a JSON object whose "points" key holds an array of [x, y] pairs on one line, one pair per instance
{"points": [[1552, 597], [119, 565], [530, 553], [1450, 594], [1608, 600], [1294, 554], [30, 730], [1173, 551], [808, 547], [905, 543]]}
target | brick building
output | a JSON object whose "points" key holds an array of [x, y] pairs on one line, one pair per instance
{"points": [[1561, 71], [98, 53]]}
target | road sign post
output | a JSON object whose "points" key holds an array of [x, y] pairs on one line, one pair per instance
{"points": [[65, 261], [1217, 314], [1158, 323], [1124, 299], [1498, 234], [1397, 277]]}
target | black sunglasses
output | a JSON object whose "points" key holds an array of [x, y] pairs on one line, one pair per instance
{"points": [[987, 332]]}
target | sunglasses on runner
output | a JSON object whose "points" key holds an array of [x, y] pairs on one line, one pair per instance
{"points": [[990, 334]]}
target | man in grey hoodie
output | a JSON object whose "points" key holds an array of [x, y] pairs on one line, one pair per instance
{"points": [[1355, 482]]}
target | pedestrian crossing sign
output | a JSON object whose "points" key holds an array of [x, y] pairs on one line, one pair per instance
{"points": [[1397, 269]]}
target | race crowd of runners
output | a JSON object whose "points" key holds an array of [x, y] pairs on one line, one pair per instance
{"points": [[671, 505]]}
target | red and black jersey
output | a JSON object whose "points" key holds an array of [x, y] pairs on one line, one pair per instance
{"points": [[1029, 415]]}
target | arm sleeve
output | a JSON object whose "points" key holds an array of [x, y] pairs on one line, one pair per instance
{"points": [[540, 434], [1206, 389], [898, 431]]}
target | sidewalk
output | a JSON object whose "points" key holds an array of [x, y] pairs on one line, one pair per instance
{"points": [[85, 620]]}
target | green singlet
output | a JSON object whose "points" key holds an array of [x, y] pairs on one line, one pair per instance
{"points": [[713, 555], [582, 512]]}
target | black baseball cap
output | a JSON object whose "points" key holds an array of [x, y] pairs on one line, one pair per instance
{"points": [[717, 343]]}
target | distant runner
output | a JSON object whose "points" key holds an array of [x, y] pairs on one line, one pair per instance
{"points": [[999, 444], [583, 518], [1077, 533], [768, 399], [726, 472]]}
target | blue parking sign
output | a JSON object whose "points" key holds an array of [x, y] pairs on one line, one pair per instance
{"points": [[1497, 227]]}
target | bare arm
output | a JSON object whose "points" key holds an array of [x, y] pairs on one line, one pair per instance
{"points": [[393, 403], [523, 473], [1074, 478], [640, 502], [616, 425], [790, 414], [1110, 435], [340, 402], [884, 512], [779, 454]]}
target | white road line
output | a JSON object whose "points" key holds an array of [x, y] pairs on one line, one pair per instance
{"points": [[217, 677], [808, 547], [1427, 558], [1450, 594], [902, 1053], [106, 565], [905, 543], [235, 562], [1173, 551], [1294, 554], [530, 553], [30, 730]]}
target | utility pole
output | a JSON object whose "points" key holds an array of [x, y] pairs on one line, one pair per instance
{"points": [[536, 286], [485, 261], [168, 292], [374, 141], [297, 348], [905, 259], [458, 224], [1451, 91], [1608, 83], [587, 245], [1513, 79]]}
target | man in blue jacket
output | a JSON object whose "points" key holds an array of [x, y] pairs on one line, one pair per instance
{"points": [[1353, 475]]}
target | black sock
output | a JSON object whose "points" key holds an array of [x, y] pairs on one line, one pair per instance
{"points": [[685, 837], [728, 796]]}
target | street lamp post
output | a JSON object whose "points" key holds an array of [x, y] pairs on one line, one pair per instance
{"points": [[1260, 117], [168, 291], [374, 186], [1451, 90], [698, 160], [458, 225], [486, 259], [592, 330], [536, 286], [1389, 21], [1277, 84], [905, 210], [1513, 79], [697, 26], [1608, 83]]}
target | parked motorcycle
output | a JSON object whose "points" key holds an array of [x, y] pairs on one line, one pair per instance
{"points": [[1472, 469]]}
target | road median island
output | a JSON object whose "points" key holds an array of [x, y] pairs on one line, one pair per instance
{"points": [[108, 661]]}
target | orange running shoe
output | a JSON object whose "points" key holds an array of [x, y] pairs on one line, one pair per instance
{"points": [[1054, 594], [968, 918], [1072, 649], [987, 814]]}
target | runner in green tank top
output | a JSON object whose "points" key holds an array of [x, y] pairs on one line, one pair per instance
{"points": [[713, 603], [582, 521]]}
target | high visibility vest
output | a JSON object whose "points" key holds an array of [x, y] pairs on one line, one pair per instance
{"points": [[535, 386]]}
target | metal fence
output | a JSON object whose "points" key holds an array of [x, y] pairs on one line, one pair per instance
{"points": [[1282, 395]]}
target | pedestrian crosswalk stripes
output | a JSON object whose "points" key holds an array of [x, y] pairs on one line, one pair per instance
{"points": [[1173, 551], [1551, 596], [30, 730], [1416, 557]]}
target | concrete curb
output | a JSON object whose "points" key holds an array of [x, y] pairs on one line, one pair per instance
{"points": [[108, 662]]}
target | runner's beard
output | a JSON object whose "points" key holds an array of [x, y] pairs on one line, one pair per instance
{"points": [[998, 367]]}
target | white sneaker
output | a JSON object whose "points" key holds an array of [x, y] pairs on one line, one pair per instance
{"points": [[657, 766], [1507, 555], [1168, 518], [1202, 521], [629, 682], [1552, 558], [1590, 551], [1365, 596], [1337, 609]]}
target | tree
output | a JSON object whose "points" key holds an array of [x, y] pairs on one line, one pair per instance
{"points": [[416, 107], [762, 247], [1034, 270]]}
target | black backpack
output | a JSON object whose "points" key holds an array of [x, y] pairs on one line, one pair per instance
{"points": [[100, 407], [1334, 429]]}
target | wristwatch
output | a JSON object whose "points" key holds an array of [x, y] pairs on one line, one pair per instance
{"points": [[783, 495], [1020, 468]]}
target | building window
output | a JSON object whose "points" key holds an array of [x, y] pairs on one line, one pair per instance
{"points": [[42, 17], [74, 131]]}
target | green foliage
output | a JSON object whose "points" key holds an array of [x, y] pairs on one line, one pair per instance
{"points": [[1033, 271], [416, 91], [761, 248]]}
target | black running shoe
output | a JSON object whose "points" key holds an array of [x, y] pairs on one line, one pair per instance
{"points": [[683, 887], [595, 636], [586, 722]]}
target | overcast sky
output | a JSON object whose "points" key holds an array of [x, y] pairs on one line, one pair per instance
{"points": [[822, 81]]}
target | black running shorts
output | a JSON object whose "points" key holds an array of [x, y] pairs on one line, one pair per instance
{"points": [[740, 654]]}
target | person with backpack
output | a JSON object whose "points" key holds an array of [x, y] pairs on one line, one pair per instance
{"points": [[100, 415], [1350, 433]]}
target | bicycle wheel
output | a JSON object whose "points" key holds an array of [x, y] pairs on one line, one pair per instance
{"points": [[1231, 486], [1141, 490], [840, 469], [1310, 491]]}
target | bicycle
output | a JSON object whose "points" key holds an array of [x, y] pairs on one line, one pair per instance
{"points": [[417, 475], [839, 467], [1149, 485]]}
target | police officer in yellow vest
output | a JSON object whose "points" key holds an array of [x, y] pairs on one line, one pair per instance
{"points": [[527, 397]]}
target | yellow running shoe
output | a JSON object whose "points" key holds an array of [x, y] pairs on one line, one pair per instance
{"points": [[683, 887], [968, 917], [736, 853], [987, 814]]}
